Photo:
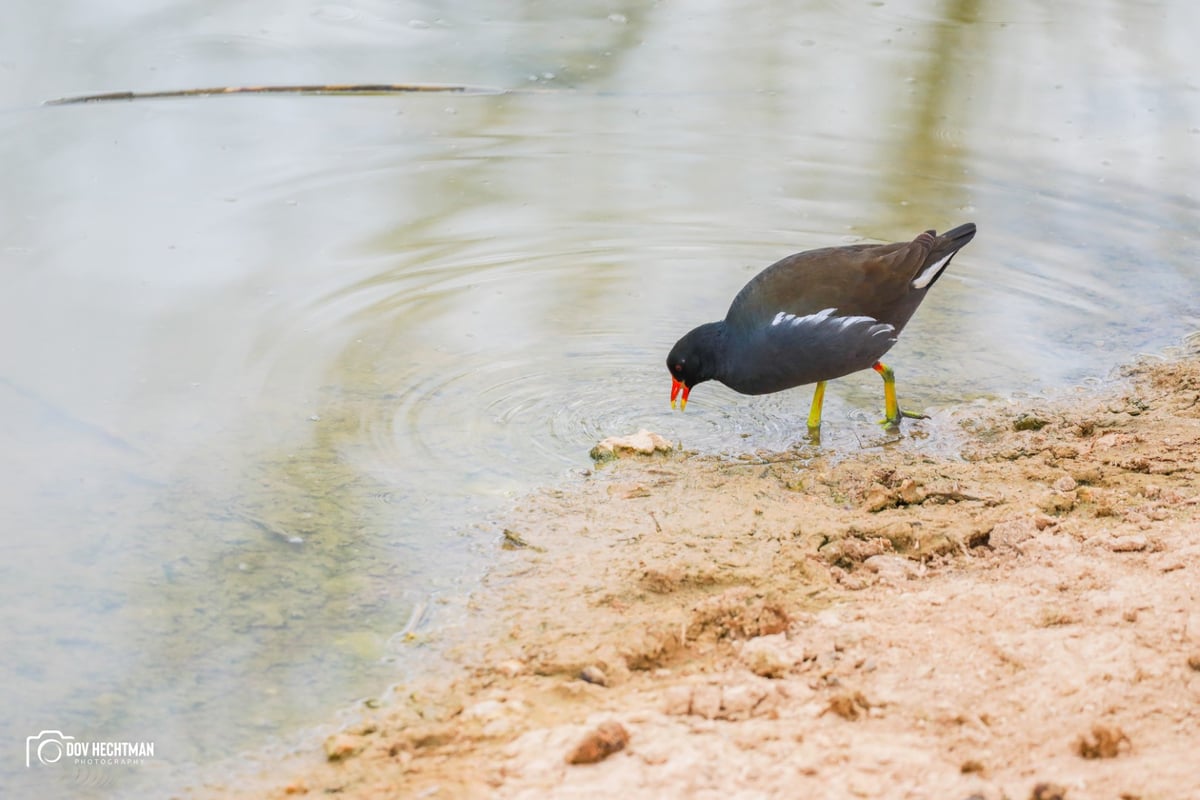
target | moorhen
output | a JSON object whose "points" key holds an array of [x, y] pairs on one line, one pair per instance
{"points": [[815, 316]]}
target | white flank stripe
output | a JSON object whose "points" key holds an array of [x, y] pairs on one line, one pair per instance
{"points": [[881, 327], [876, 328], [848, 321]]}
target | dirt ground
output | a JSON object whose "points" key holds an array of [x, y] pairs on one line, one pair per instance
{"points": [[1019, 622]]}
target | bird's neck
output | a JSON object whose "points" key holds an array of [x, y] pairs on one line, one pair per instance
{"points": [[710, 340]]}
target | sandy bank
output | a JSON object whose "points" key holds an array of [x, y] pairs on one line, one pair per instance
{"points": [[1021, 622]]}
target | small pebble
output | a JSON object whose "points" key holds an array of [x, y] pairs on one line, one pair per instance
{"points": [[607, 738], [1105, 741], [343, 745], [1133, 543], [766, 656], [1048, 791], [593, 674], [1065, 484]]}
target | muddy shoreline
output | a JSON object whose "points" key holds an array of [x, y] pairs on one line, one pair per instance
{"points": [[1022, 621]]}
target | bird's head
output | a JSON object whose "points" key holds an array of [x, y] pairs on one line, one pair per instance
{"points": [[693, 360]]}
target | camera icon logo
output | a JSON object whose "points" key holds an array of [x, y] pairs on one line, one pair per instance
{"points": [[47, 747]]}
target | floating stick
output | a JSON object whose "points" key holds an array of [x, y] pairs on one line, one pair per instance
{"points": [[331, 88]]}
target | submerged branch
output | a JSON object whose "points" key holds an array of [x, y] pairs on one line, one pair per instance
{"points": [[330, 88]]}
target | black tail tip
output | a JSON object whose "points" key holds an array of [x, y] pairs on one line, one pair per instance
{"points": [[963, 233]]}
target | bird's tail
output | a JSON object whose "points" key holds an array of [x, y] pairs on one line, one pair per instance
{"points": [[953, 239], [944, 248]]}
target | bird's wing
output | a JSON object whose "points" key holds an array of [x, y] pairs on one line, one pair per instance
{"points": [[858, 280]]}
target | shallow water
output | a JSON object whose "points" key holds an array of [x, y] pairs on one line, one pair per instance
{"points": [[271, 360]]}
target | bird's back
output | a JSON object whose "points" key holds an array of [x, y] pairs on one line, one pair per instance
{"points": [[857, 280]]}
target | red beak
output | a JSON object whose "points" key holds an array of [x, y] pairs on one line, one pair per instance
{"points": [[678, 386]]}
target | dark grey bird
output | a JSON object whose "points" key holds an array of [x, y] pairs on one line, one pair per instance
{"points": [[815, 316]]}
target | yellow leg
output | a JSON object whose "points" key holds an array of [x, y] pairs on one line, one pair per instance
{"points": [[891, 408], [814, 413]]}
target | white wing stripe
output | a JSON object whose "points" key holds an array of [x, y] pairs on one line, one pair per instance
{"points": [[826, 315], [783, 318]]}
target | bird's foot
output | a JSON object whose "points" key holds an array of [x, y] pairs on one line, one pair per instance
{"points": [[893, 423]]}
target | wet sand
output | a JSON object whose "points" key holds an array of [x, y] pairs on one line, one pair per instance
{"points": [[1021, 621]]}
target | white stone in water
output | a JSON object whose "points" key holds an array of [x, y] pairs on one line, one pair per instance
{"points": [[643, 442]]}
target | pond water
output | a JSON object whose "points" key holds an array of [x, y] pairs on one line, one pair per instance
{"points": [[270, 362]]}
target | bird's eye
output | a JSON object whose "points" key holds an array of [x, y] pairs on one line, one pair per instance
{"points": [[678, 368]]}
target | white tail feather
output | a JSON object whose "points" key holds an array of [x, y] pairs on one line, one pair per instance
{"points": [[931, 272]]}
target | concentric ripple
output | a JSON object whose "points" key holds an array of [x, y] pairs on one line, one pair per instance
{"points": [[502, 359]]}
